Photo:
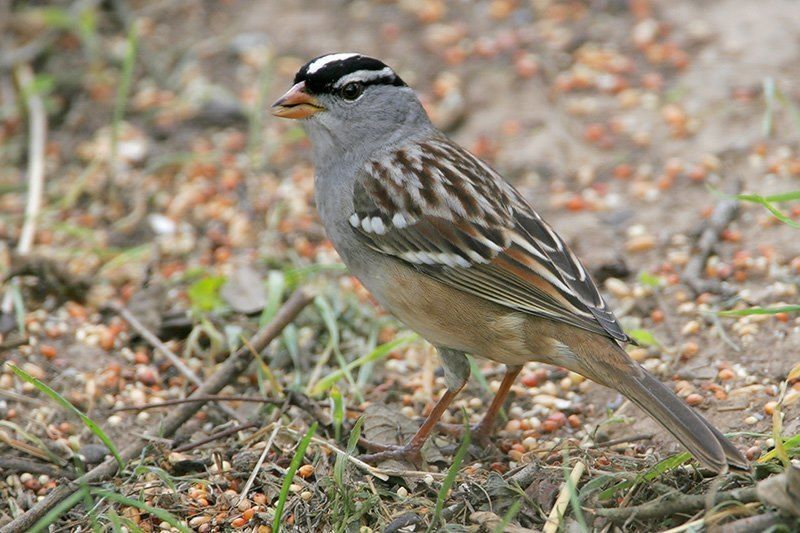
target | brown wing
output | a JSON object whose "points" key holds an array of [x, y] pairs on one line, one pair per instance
{"points": [[438, 208]]}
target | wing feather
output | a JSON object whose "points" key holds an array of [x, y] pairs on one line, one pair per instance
{"points": [[441, 210]]}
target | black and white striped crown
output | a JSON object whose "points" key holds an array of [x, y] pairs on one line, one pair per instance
{"points": [[325, 74]]}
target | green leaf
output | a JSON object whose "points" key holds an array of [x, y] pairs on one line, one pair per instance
{"points": [[761, 311], [651, 280], [290, 472], [63, 402], [204, 294], [643, 337]]}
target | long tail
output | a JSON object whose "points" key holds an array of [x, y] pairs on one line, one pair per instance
{"points": [[703, 440]]}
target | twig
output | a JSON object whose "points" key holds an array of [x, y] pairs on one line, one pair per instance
{"points": [[216, 436], [229, 371], [18, 464], [178, 401], [254, 473], [762, 522], [37, 138], [28, 52], [724, 213], [557, 512], [679, 503], [176, 361], [622, 440]]}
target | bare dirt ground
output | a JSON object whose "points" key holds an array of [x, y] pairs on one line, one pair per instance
{"points": [[625, 123]]}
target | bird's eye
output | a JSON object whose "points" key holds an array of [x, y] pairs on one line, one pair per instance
{"points": [[352, 90]]}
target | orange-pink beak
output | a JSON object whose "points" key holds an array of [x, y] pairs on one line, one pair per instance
{"points": [[296, 103]]}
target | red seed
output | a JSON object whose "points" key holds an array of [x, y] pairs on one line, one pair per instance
{"points": [[48, 351], [694, 399]]}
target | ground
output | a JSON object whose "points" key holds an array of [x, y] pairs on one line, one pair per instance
{"points": [[176, 199]]}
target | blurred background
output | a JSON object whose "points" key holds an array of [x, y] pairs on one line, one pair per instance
{"points": [[167, 186]]}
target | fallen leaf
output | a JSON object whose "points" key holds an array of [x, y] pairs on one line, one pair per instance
{"points": [[244, 291]]}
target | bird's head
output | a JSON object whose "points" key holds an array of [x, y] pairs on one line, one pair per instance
{"points": [[349, 100]]}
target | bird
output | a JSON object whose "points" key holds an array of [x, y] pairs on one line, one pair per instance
{"points": [[456, 253]]}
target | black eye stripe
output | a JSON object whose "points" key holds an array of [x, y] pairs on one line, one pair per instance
{"points": [[324, 76]]}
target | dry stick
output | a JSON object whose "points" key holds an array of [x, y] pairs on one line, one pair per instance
{"points": [[723, 214], [216, 436], [229, 371], [621, 440], [254, 473], [557, 513], [37, 120], [18, 464], [178, 401], [176, 361], [680, 503]]}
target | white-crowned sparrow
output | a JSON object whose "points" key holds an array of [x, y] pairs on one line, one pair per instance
{"points": [[457, 254]]}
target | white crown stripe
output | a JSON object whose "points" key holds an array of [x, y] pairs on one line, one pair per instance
{"points": [[364, 76], [330, 58]]}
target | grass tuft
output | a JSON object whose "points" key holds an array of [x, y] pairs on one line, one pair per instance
{"points": [[63, 402]]}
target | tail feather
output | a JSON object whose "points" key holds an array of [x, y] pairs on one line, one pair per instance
{"points": [[703, 440], [616, 370]]}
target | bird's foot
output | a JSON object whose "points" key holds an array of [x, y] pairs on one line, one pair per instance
{"points": [[385, 452], [480, 433]]}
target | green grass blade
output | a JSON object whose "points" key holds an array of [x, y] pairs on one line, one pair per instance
{"points": [[574, 501], [341, 461], [768, 86], [161, 514], [783, 197], [450, 478], [63, 402], [48, 519], [121, 101], [290, 472], [762, 200], [276, 285], [509, 516], [761, 311], [378, 353], [337, 412], [329, 318]]}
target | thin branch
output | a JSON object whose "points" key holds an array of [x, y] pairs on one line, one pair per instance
{"points": [[622, 440], [216, 436], [19, 464], [724, 213], [228, 372], [176, 361], [677, 504], [179, 401], [254, 473]]}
